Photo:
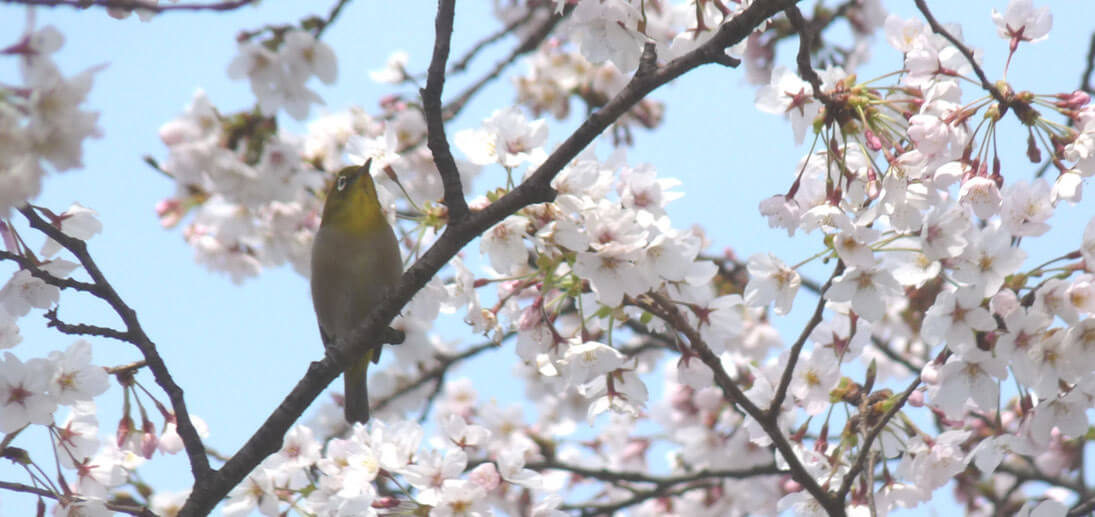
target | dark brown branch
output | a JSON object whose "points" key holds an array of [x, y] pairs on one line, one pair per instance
{"points": [[461, 64], [530, 43], [806, 37], [82, 329], [139, 511], [435, 123], [662, 481], [435, 373], [796, 348], [1089, 68], [668, 311], [590, 510], [101, 288], [133, 5], [39, 273], [208, 491], [1023, 110]]}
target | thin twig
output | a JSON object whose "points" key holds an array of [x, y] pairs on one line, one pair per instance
{"points": [[461, 64], [82, 329], [865, 449], [438, 371], [324, 23], [796, 348], [139, 511], [435, 123], [666, 310], [132, 5], [1089, 68], [591, 509], [662, 481], [102, 289], [45, 276], [530, 43]]}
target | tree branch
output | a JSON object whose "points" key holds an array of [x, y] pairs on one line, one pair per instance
{"points": [[1089, 68], [139, 511], [208, 491], [101, 288], [668, 311], [533, 40], [82, 329], [437, 372], [796, 348], [39, 273], [133, 5], [1022, 110], [875, 430], [661, 481], [462, 64], [435, 123]]}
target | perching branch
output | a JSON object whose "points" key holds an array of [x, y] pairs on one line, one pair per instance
{"points": [[435, 123], [102, 289], [209, 490]]}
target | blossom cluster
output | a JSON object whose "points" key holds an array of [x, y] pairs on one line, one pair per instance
{"points": [[42, 122]]}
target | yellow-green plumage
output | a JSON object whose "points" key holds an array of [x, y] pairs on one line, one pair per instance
{"points": [[355, 260]]}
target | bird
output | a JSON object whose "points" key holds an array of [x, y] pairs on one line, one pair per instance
{"points": [[355, 261]]}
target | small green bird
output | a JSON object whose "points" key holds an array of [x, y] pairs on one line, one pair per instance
{"points": [[355, 260]]}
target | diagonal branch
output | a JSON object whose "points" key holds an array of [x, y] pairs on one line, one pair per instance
{"points": [[530, 43], [208, 491], [435, 123], [668, 311], [796, 348], [45, 276], [433, 374], [865, 449], [101, 288], [1022, 109]]}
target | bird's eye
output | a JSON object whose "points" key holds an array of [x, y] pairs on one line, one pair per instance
{"points": [[340, 183]]}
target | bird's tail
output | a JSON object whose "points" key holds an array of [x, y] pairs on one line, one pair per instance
{"points": [[356, 402]]}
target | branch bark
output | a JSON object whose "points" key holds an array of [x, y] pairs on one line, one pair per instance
{"points": [[101, 288], [435, 123]]}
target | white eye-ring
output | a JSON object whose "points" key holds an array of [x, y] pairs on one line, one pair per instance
{"points": [[340, 183]]}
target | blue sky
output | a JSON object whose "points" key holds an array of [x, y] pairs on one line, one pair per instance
{"points": [[237, 350]]}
